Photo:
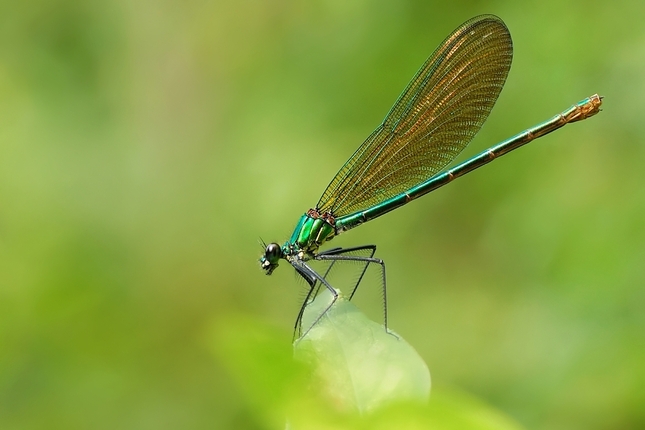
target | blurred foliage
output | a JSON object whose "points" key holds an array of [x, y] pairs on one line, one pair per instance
{"points": [[278, 389], [357, 364], [144, 147]]}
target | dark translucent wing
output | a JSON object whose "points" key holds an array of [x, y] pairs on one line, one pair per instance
{"points": [[436, 116]]}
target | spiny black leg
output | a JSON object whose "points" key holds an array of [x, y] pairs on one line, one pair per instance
{"points": [[338, 256], [312, 277], [297, 329], [317, 286], [340, 251]]}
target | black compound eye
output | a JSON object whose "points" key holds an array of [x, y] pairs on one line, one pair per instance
{"points": [[273, 253]]}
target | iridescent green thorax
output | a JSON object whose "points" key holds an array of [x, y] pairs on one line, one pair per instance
{"points": [[312, 230]]}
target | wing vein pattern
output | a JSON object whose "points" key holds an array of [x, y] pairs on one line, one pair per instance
{"points": [[433, 120]]}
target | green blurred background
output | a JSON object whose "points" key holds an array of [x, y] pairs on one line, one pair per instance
{"points": [[145, 146]]}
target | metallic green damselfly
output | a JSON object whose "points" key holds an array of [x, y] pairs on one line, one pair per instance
{"points": [[433, 120]]}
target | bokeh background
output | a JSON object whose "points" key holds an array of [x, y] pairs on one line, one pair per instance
{"points": [[146, 146]]}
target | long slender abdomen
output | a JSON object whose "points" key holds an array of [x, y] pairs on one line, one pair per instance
{"points": [[582, 110]]}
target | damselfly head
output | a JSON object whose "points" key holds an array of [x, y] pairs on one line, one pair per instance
{"points": [[272, 255]]}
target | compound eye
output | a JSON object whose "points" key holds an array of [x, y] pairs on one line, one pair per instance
{"points": [[273, 253]]}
